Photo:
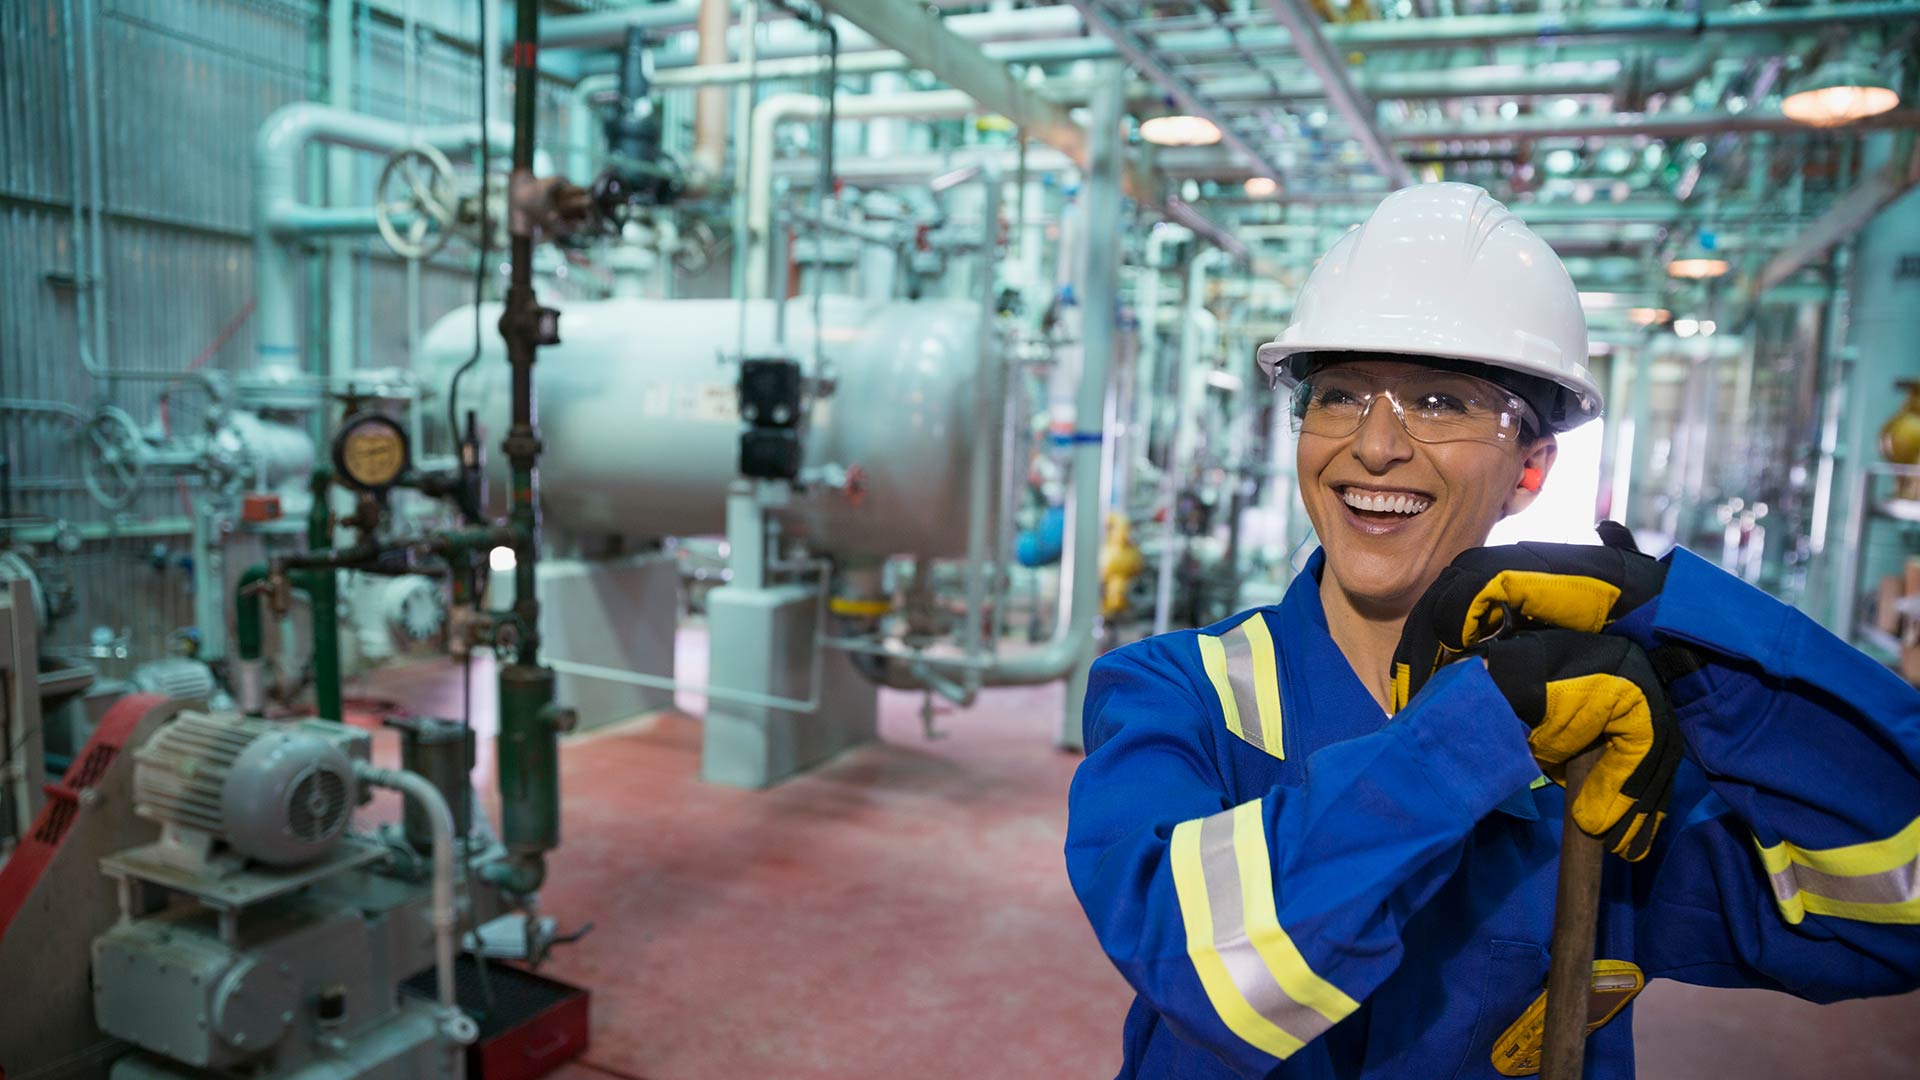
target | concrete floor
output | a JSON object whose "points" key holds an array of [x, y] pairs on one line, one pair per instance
{"points": [[904, 912]]}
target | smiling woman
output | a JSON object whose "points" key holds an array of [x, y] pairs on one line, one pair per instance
{"points": [[1316, 848]]}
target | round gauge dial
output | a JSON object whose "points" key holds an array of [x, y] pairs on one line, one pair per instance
{"points": [[370, 452]]}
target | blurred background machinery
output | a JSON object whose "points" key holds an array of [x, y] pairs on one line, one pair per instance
{"points": [[754, 357]]}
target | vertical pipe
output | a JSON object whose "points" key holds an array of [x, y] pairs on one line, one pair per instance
{"points": [[96, 196], [340, 323], [710, 109], [743, 96], [323, 584], [529, 723], [1179, 442], [988, 394], [1106, 150], [83, 276], [490, 56]]}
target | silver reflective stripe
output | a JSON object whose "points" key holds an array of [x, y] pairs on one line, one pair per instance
{"points": [[1240, 676], [1896, 886], [1220, 865]]}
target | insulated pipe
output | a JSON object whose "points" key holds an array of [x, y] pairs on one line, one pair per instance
{"points": [[710, 110], [776, 110], [454, 1024], [278, 159], [1309, 40], [1653, 125], [1179, 450], [1491, 80], [607, 29]]}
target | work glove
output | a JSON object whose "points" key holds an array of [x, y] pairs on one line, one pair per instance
{"points": [[1492, 590], [1579, 690]]}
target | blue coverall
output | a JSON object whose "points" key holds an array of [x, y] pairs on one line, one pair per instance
{"points": [[1299, 887]]}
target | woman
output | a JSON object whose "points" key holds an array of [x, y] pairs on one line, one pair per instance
{"points": [[1299, 885]]}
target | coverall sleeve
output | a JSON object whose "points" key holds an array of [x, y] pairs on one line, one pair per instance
{"points": [[1253, 929], [1796, 865]]}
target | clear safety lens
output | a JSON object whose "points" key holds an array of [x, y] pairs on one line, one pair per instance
{"points": [[1434, 406]]}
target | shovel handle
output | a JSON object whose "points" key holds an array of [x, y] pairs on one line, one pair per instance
{"points": [[1576, 916]]}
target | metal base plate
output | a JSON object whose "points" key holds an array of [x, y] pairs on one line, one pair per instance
{"points": [[243, 888]]}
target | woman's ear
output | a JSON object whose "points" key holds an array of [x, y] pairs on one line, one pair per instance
{"points": [[1535, 464]]}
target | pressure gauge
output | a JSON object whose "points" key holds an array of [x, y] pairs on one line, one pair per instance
{"points": [[370, 452]]}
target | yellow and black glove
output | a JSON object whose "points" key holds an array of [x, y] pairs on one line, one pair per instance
{"points": [[1494, 590], [1578, 690]]}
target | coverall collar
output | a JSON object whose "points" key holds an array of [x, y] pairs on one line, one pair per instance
{"points": [[1330, 681]]}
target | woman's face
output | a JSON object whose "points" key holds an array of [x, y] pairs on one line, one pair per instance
{"points": [[1382, 559]]}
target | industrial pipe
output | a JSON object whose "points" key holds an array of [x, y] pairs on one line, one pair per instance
{"points": [[710, 110], [769, 114], [1179, 447], [1640, 75], [454, 1024], [278, 216]]}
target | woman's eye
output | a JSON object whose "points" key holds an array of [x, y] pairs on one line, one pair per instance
{"points": [[1440, 403], [1333, 397]]}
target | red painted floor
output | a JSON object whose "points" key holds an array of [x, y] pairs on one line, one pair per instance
{"points": [[903, 912]]}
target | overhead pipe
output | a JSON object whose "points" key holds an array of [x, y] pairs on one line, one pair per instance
{"points": [[1531, 28], [1634, 77], [1350, 103], [1145, 59], [1650, 125], [769, 114], [607, 29], [279, 153]]}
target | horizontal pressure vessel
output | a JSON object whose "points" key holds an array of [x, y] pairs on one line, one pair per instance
{"points": [[640, 425]]}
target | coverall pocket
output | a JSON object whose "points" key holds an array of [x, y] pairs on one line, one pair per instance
{"points": [[1514, 974]]}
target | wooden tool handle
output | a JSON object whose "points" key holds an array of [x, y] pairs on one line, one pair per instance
{"points": [[1576, 915]]}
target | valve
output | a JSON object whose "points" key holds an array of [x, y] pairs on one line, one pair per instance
{"points": [[416, 222]]}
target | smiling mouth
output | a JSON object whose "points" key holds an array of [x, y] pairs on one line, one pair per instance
{"points": [[1387, 504]]}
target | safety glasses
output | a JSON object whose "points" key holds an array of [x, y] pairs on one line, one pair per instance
{"points": [[1434, 406]]}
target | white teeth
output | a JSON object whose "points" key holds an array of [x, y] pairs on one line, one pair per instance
{"points": [[1385, 504]]}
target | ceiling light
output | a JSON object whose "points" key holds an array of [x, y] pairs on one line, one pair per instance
{"points": [[1707, 327], [1840, 92], [1179, 131], [1694, 269], [1686, 327], [1648, 316], [1260, 187]]}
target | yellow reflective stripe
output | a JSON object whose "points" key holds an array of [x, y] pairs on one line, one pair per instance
{"points": [[1877, 881], [1538, 783], [1266, 684], [1283, 958], [1213, 657], [1190, 884]]}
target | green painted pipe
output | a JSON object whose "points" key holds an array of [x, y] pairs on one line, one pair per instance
{"points": [[323, 595], [529, 759]]}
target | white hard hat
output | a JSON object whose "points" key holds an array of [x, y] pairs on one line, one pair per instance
{"points": [[1446, 271]]}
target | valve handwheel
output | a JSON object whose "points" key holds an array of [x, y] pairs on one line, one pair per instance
{"points": [[115, 460], [415, 200]]}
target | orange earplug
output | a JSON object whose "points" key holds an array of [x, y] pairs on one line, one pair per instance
{"points": [[1531, 478]]}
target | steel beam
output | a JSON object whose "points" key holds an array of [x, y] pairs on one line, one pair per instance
{"points": [[1848, 215], [1141, 54], [1655, 125], [1350, 103], [924, 39]]}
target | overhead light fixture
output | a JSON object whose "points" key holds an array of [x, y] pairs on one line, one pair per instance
{"points": [[1697, 267], [1261, 187], [1686, 327], [1838, 92], [1179, 130], [1648, 316]]}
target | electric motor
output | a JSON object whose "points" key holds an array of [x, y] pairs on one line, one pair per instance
{"points": [[274, 792]]}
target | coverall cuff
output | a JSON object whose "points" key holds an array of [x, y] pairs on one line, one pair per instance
{"points": [[1704, 604], [1472, 746]]}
